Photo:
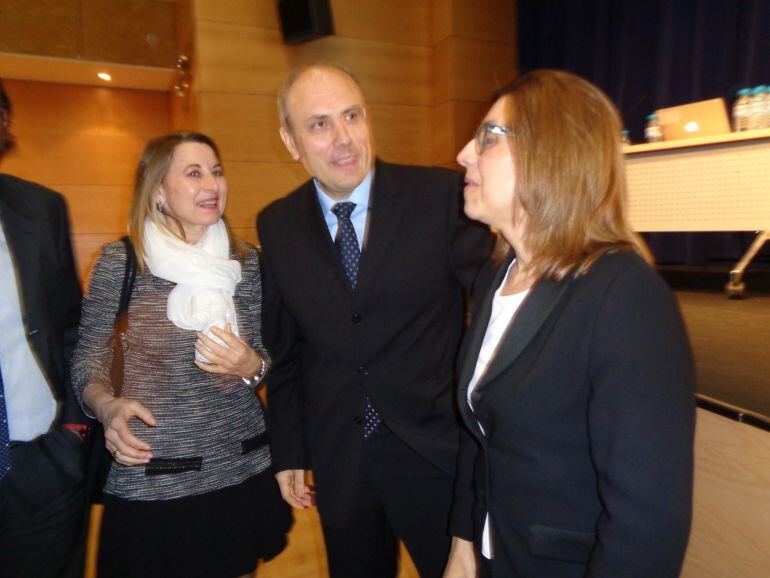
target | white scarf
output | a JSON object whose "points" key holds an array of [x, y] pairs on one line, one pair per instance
{"points": [[205, 276]]}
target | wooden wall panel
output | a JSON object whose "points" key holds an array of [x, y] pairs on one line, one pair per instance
{"points": [[70, 159], [252, 186], [252, 61], [129, 31], [84, 142], [389, 73], [454, 124], [244, 126], [87, 248], [395, 21], [48, 27], [402, 133], [731, 513], [255, 13], [469, 69], [489, 21], [97, 209], [103, 111], [474, 55], [139, 32]]}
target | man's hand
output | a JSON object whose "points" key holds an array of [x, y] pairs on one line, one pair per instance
{"points": [[293, 488], [462, 560]]}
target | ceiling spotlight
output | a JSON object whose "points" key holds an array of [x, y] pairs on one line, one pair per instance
{"points": [[104, 76]]}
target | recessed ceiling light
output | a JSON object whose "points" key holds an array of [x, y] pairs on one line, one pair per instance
{"points": [[104, 76]]}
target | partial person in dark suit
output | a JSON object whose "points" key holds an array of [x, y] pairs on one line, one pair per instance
{"points": [[365, 269], [577, 382], [42, 497]]}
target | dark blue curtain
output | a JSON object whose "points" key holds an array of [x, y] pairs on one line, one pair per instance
{"points": [[650, 55]]}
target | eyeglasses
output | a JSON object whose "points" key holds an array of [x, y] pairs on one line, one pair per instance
{"points": [[487, 136]]}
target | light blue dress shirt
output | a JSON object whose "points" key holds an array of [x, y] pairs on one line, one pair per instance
{"points": [[29, 400], [359, 196]]}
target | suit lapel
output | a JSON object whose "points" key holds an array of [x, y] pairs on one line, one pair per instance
{"points": [[475, 338], [22, 234], [386, 208], [313, 226], [479, 324], [533, 312]]}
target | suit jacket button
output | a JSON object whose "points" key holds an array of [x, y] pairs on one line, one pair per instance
{"points": [[357, 319], [363, 370]]}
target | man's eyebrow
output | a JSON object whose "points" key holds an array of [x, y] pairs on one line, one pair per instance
{"points": [[315, 117]]}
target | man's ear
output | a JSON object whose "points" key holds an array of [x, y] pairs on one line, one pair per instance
{"points": [[288, 141]]}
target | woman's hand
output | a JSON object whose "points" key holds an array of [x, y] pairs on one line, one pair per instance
{"points": [[233, 358], [462, 560], [113, 413]]}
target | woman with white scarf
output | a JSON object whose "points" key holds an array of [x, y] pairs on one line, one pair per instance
{"points": [[190, 491]]}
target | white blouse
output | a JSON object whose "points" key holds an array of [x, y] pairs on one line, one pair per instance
{"points": [[504, 309]]}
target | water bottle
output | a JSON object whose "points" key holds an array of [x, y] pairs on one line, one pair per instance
{"points": [[625, 139], [757, 108], [652, 132], [741, 110], [766, 108]]}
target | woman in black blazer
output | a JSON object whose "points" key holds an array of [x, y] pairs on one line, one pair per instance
{"points": [[576, 388]]}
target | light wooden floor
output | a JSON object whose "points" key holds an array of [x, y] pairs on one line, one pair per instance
{"points": [[303, 558]]}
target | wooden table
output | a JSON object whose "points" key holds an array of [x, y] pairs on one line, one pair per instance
{"points": [[718, 183]]}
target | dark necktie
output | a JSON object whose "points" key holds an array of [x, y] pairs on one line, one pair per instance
{"points": [[5, 453], [347, 246]]}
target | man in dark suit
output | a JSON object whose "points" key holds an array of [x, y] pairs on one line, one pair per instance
{"points": [[42, 498], [365, 269]]}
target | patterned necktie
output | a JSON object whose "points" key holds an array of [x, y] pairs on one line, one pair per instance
{"points": [[346, 240], [5, 453], [347, 246]]}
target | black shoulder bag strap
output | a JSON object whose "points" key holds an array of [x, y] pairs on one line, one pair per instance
{"points": [[99, 459], [121, 319]]}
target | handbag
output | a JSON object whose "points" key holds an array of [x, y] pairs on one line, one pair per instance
{"points": [[99, 459]]}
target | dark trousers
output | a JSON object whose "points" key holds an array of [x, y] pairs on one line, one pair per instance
{"points": [[401, 496], [484, 566], [42, 509]]}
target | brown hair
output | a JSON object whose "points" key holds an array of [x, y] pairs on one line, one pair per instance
{"points": [[6, 138], [570, 179], [150, 172]]}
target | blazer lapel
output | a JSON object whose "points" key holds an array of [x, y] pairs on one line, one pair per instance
{"points": [[479, 324], [475, 338], [386, 208], [313, 226], [21, 233], [533, 312]]}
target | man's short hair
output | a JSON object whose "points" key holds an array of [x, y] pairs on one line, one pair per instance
{"points": [[283, 94], [6, 140]]}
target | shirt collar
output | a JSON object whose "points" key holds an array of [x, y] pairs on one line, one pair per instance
{"points": [[359, 196]]}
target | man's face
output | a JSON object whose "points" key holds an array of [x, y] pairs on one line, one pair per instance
{"points": [[329, 130]]}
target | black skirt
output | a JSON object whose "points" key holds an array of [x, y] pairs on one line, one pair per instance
{"points": [[220, 534]]}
